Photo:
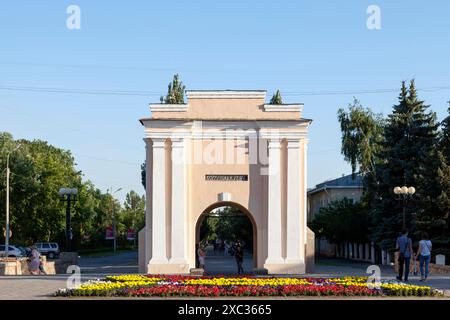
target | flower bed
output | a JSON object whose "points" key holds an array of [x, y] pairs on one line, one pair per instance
{"points": [[189, 286]]}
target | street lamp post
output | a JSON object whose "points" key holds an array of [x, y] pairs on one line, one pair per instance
{"points": [[404, 194], [114, 218], [69, 195], [8, 173]]}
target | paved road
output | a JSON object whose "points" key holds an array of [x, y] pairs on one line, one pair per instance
{"points": [[41, 287], [126, 262], [220, 265]]}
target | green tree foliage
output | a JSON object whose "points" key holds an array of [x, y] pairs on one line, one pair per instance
{"points": [[441, 221], [342, 221], [38, 171], [361, 134], [409, 158], [404, 149], [445, 136], [276, 98], [228, 224], [175, 91], [133, 213]]}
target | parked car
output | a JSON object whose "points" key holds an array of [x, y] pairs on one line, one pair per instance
{"points": [[49, 249], [13, 251], [26, 252]]}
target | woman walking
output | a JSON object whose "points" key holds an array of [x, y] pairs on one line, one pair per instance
{"points": [[35, 261], [424, 254], [201, 256]]}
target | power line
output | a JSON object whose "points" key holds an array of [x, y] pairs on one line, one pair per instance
{"points": [[108, 160], [80, 91], [158, 94], [345, 92]]}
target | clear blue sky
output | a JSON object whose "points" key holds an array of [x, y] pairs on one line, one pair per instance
{"points": [[294, 46]]}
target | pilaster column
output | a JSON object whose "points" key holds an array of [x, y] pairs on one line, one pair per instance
{"points": [[149, 207], [274, 205], [159, 252], [179, 208], [304, 186], [295, 242]]}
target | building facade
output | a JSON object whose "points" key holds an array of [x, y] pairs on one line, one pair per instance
{"points": [[332, 190], [225, 148], [325, 193]]}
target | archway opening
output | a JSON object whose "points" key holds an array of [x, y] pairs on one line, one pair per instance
{"points": [[221, 231]]}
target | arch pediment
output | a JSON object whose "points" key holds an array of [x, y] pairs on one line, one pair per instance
{"points": [[227, 105]]}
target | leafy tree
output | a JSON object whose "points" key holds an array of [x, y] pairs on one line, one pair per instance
{"points": [[361, 136], [175, 92], [229, 224], [342, 221], [276, 98], [38, 170], [133, 213]]}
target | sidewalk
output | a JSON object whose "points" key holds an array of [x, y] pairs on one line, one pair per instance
{"points": [[341, 267]]}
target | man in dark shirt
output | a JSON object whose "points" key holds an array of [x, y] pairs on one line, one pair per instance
{"points": [[239, 256], [404, 248]]}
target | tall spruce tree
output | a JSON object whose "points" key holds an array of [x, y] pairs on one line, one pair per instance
{"points": [[408, 154], [445, 136], [441, 222]]}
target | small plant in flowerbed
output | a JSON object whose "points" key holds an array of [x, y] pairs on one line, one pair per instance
{"points": [[244, 286]]}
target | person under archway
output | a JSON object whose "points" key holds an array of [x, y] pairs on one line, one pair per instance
{"points": [[239, 256], [201, 256]]}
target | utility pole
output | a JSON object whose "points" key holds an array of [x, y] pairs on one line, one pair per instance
{"points": [[114, 219], [8, 173], [114, 226], [69, 195]]}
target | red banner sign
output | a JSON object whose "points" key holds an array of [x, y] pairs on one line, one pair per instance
{"points": [[109, 233], [130, 234]]}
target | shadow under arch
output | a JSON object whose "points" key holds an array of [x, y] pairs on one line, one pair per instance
{"points": [[235, 205]]}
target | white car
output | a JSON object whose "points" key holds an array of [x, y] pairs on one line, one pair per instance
{"points": [[13, 251], [49, 249]]}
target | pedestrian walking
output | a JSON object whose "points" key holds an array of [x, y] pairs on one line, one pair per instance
{"points": [[201, 256], [226, 248], [239, 256], [404, 248], [41, 267], [424, 254], [35, 261]]}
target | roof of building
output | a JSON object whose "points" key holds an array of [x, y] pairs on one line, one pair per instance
{"points": [[343, 182]]}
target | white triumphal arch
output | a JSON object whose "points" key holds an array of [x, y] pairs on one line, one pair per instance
{"points": [[226, 148]]}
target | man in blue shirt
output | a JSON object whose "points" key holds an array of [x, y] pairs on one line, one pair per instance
{"points": [[404, 248]]}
